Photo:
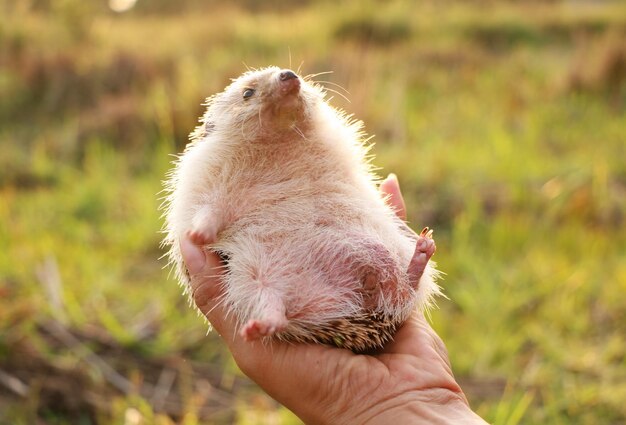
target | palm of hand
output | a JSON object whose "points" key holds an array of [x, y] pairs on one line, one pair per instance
{"points": [[413, 367]]}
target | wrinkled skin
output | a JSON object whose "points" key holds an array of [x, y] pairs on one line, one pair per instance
{"points": [[409, 381]]}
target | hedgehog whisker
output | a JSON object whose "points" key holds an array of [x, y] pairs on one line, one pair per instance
{"points": [[322, 82], [243, 132], [338, 93], [310, 76], [300, 133]]}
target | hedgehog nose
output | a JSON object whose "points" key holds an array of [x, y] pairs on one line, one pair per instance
{"points": [[287, 75]]}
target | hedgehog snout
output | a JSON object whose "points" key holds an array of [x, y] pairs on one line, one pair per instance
{"points": [[288, 82], [287, 74]]}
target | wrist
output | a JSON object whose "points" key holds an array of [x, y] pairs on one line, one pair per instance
{"points": [[433, 406]]}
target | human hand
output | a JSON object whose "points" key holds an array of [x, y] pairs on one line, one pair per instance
{"points": [[409, 381]]}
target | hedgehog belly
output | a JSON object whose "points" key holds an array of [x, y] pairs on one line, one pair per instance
{"points": [[361, 333], [339, 286]]}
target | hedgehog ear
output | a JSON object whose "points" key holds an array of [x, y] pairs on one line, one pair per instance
{"points": [[208, 126]]}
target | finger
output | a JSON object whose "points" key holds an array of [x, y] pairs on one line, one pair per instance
{"points": [[391, 188], [205, 271]]}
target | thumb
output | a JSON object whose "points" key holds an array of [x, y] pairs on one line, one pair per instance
{"points": [[391, 188], [205, 275]]}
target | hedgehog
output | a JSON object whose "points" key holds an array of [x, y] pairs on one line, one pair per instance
{"points": [[281, 185]]}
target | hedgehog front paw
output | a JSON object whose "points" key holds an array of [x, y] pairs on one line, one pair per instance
{"points": [[200, 238], [204, 227], [256, 329], [424, 250]]}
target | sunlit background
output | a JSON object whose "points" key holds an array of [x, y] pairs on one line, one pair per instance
{"points": [[504, 121]]}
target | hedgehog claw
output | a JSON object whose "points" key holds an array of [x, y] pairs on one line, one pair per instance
{"points": [[427, 233]]}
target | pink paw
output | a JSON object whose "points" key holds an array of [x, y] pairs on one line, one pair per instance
{"points": [[200, 238], [204, 227], [256, 329], [424, 250]]}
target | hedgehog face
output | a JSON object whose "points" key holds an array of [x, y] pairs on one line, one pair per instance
{"points": [[269, 100]]}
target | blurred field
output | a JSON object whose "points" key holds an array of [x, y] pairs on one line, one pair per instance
{"points": [[504, 121]]}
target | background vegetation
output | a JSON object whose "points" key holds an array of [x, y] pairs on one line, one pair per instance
{"points": [[504, 121]]}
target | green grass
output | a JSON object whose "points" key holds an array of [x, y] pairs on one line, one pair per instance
{"points": [[507, 130]]}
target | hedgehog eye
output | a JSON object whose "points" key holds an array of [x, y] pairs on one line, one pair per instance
{"points": [[247, 94]]}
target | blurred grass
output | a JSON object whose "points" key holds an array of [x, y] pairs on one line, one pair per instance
{"points": [[507, 130]]}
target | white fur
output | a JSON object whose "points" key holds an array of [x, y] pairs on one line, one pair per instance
{"points": [[285, 185]]}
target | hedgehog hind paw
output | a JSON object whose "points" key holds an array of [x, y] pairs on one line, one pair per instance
{"points": [[258, 328], [424, 249]]}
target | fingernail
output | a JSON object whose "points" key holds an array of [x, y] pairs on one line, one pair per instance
{"points": [[193, 256], [392, 176]]}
